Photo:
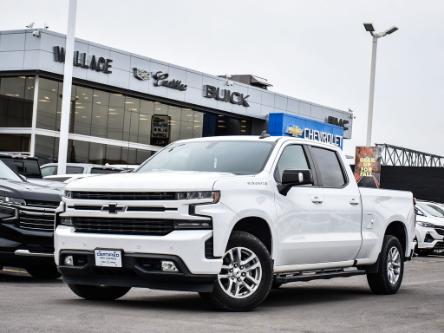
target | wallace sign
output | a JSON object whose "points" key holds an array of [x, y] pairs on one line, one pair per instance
{"points": [[98, 64]]}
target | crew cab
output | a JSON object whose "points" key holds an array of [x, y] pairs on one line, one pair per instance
{"points": [[27, 213], [230, 218]]}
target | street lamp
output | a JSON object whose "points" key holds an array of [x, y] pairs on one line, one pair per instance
{"points": [[375, 35]]}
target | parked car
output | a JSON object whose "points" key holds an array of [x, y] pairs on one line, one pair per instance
{"points": [[50, 169], [230, 217], [429, 228], [27, 224], [76, 171], [28, 168], [22, 164]]}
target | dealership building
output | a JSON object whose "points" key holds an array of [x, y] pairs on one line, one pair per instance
{"points": [[125, 106]]}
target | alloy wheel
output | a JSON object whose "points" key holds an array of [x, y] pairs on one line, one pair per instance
{"points": [[393, 265], [241, 272]]}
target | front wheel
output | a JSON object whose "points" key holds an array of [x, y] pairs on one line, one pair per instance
{"points": [[246, 276], [104, 293], [388, 279]]}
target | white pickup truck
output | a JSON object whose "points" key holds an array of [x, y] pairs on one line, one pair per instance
{"points": [[231, 218]]}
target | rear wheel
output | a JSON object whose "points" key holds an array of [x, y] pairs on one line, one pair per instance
{"points": [[43, 272], [246, 276], [105, 293], [388, 279]]}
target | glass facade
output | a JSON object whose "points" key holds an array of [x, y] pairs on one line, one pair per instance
{"points": [[105, 116], [115, 116]]}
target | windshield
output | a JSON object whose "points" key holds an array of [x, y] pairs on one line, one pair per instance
{"points": [[7, 173], [430, 210], [238, 157]]}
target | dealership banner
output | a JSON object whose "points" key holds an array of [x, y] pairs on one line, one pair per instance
{"points": [[300, 127], [368, 167]]}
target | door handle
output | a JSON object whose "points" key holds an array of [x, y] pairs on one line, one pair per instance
{"points": [[317, 200], [353, 202]]}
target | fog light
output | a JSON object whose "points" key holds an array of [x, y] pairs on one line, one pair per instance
{"points": [[169, 266], [69, 261]]}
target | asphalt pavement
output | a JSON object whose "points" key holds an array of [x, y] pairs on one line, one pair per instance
{"points": [[337, 305]]}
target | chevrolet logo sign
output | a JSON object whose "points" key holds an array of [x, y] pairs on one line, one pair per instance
{"points": [[113, 208]]}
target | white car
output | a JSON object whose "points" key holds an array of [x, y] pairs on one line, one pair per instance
{"points": [[76, 171], [50, 169], [429, 228], [229, 217]]}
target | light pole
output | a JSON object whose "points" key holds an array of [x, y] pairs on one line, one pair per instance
{"points": [[67, 84], [375, 36]]}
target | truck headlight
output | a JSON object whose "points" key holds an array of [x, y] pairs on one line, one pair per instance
{"points": [[425, 224], [67, 194], [214, 196], [12, 201]]}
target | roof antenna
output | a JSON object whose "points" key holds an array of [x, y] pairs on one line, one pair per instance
{"points": [[264, 135]]}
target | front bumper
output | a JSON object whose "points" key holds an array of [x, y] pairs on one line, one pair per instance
{"points": [[429, 238], [138, 270], [22, 248], [188, 245]]}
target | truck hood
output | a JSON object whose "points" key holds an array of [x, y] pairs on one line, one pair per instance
{"points": [[149, 181], [29, 191], [56, 185]]}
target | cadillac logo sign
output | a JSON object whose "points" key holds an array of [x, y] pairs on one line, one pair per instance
{"points": [[141, 74]]}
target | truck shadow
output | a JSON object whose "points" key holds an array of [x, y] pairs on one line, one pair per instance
{"points": [[286, 296], [19, 276]]}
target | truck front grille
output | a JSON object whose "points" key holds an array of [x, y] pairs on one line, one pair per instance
{"points": [[124, 195], [36, 218], [149, 227]]}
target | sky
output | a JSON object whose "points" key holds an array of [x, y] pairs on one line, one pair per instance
{"points": [[315, 50]]}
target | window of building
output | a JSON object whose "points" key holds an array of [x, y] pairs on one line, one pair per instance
{"points": [[16, 100], [46, 148], [331, 172], [48, 104], [83, 108], [15, 143], [78, 151]]}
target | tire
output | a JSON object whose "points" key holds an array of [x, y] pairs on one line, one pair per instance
{"points": [[258, 268], [98, 293], [388, 279], [43, 272]]}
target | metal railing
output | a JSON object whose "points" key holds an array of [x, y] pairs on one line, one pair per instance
{"points": [[399, 156]]}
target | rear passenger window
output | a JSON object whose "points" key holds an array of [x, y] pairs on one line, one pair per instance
{"points": [[73, 170], [330, 169], [292, 158]]}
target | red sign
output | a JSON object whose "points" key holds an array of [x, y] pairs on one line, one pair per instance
{"points": [[368, 167]]}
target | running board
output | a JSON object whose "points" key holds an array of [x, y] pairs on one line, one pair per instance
{"points": [[323, 274]]}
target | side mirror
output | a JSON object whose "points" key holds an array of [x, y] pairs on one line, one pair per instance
{"points": [[292, 178]]}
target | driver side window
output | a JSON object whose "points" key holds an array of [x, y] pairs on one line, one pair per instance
{"points": [[292, 158]]}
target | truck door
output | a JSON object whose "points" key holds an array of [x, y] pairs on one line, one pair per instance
{"points": [[319, 223]]}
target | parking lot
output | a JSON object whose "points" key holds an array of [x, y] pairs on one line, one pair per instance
{"points": [[335, 305]]}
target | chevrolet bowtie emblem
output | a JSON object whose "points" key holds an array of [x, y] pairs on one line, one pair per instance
{"points": [[113, 208], [294, 131]]}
